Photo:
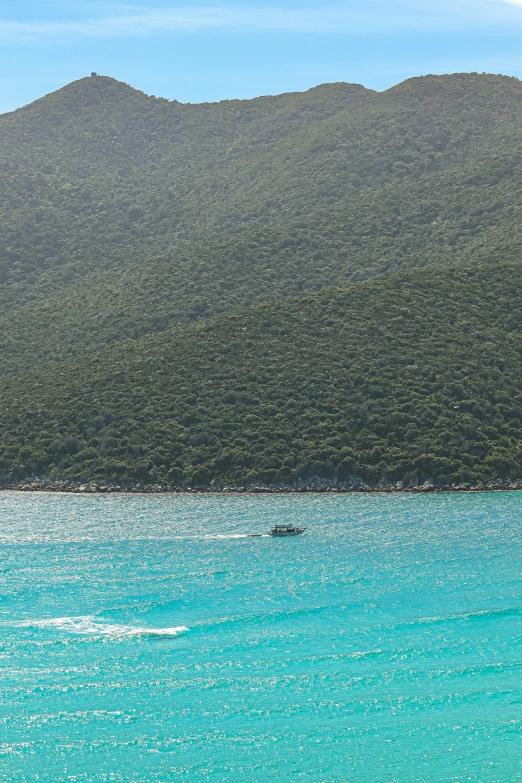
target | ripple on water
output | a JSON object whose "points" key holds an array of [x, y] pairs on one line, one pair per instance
{"points": [[149, 639]]}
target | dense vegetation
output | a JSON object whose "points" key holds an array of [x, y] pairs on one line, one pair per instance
{"points": [[405, 378], [124, 214], [319, 284]]}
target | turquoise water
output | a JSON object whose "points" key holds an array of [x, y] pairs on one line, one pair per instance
{"points": [[145, 639]]}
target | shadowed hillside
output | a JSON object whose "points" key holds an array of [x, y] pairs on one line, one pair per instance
{"points": [[413, 377]]}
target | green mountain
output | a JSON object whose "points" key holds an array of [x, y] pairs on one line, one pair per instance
{"points": [[411, 377], [316, 284], [124, 214]]}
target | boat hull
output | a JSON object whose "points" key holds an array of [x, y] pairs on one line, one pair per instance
{"points": [[285, 533]]}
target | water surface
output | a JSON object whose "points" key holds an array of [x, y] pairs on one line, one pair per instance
{"points": [[145, 638]]}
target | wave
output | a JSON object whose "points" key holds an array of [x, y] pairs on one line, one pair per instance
{"points": [[479, 614], [90, 626], [263, 615]]}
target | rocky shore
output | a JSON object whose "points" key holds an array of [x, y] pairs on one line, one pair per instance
{"points": [[312, 486]]}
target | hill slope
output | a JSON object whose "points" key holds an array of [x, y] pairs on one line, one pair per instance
{"points": [[123, 214], [412, 376]]}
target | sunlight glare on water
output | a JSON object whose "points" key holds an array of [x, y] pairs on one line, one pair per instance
{"points": [[147, 638]]}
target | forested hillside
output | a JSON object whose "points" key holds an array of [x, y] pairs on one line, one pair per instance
{"points": [[325, 284], [124, 214], [411, 377]]}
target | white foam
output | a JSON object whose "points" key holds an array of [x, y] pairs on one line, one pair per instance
{"points": [[89, 626], [226, 536]]}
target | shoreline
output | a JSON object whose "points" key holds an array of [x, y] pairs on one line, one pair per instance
{"points": [[96, 488]]}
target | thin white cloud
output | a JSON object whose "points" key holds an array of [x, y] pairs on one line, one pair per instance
{"points": [[372, 16], [152, 21], [506, 6]]}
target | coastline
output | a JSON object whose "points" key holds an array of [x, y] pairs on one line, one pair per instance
{"points": [[97, 487]]}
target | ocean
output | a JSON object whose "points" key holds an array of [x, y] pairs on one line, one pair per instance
{"points": [[147, 639]]}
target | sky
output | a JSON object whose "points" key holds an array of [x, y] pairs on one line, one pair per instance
{"points": [[215, 49]]}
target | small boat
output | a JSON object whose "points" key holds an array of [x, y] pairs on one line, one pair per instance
{"points": [[255, 535], [286, 530]]}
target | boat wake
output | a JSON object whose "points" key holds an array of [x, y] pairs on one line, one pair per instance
{"points": [[89, 626], [230, 536], [218, 537]]}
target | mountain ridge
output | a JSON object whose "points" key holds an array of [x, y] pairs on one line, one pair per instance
{"points": [[74, 88], [434, 82]]}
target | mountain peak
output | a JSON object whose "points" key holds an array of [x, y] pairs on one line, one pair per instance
{"points": [[457, 83], [86, 93]]}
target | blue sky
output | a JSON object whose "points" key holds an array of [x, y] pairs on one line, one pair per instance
{"points": [[209, 50]]}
